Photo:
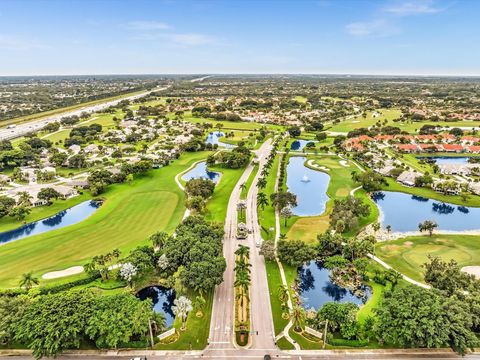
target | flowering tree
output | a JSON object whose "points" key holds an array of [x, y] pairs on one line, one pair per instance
{"points": [[181, 308], [163, 262], [128, 272]]}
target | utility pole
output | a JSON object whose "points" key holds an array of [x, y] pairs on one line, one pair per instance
{"points": [[325, 334], [151, 332]]}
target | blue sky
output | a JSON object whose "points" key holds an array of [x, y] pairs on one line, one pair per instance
{"points": [[250, 36]]}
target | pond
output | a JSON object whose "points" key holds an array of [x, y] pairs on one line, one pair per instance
{"points": [[201, 171], [214, 138], [298, 145], [60, 220], [162, 300], [403, 212], [441, 160], [316, 288], [309, 185]]}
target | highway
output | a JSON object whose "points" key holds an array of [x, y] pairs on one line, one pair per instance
{"points": [[36, 125]]}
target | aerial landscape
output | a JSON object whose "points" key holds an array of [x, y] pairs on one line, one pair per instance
{"points": [[231, 180]]}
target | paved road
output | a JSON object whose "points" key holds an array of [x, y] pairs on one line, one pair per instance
{"points": [[263, 335], [257, 354], [36, 125], [222, 322]]}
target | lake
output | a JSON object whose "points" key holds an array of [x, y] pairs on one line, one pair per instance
{"points": [[200, 171], [60, 220], [403, 212], [440, 160], [162, 299], [309, 185], [316, 288], [214, 138], [298, 145]]}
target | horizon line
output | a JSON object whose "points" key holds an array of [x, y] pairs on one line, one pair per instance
{"points": [[366, 74]]}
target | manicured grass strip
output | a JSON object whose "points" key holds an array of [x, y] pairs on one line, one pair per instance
{"points": [[266, 216], [284, 344], [196, 335], [248, 183], [218, 203], [274, 281], [408, 254], [129, 215], [472, 200]]}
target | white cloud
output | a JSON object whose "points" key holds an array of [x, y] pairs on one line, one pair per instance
{"points": [[146, 25], [15, 43], [413, 8], [379, 28], [191, 39]]}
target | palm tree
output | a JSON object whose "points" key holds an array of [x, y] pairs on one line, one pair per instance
{"points": [[24, 198], [242, 281], [243, 186], [89, 267], [243, 252], [199, 304], [262, 183], [28, 280], [241, 206], [283, 297], [262, 200], [298, 317]]}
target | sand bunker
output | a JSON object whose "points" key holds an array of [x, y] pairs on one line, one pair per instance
{"points": [[62, 273], [472, 270], [343, 163]]}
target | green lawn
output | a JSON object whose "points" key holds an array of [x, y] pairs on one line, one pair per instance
{"points": [[248, 183], [408, 254], [218, 203], [274, 281], [360, 122], [266, 217], [231, 125], [130, 213], [196, 335]]}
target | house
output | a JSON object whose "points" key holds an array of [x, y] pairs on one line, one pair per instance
{"points": [[4, 179], [474, 149], [408, 178], [65, 192], [78, 184], [453, 148], [408, 148], [91, 149], [475, 188], [75, 149]]}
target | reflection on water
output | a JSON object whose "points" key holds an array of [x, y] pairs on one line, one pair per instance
{"points": [[309, 185], [298, 145], [162, 300], [201, 171], [316, 288], [403, 212], [214, 138], [62, 219]]}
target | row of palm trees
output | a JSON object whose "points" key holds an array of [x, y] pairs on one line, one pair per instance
{"points": [[242, 279]]}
